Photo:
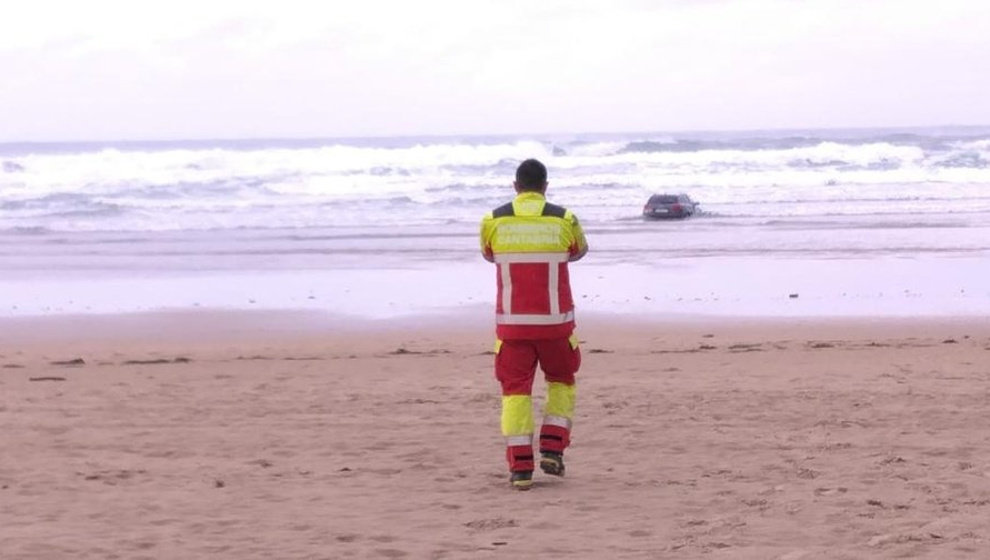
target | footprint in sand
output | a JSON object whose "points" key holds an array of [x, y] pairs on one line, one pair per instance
{"points": [[73, 362], [746, 348], [156, 361], [491, 524]]}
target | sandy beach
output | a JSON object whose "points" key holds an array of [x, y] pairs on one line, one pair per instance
{"points": [[276, 435]]}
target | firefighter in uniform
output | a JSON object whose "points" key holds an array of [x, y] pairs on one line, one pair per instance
{"points": [[531, 241]]}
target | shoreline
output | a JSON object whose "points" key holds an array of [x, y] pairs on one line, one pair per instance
{"points": [[616, 281], [204, 326]]}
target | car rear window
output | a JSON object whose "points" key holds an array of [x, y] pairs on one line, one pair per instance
{"points": [[663, 199]]}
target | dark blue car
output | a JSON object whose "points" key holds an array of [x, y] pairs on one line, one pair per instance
{"points": [[666, 206]]}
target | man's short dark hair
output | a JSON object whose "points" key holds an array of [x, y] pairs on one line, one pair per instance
{"points": [[531, 175]]}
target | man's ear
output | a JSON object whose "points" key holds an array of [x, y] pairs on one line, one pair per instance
{"points": [[515, 185]]}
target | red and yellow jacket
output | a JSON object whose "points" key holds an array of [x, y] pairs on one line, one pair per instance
{"points": [[531, 241]]}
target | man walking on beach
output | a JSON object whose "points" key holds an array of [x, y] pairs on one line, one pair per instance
{"points": [[531, 241]]}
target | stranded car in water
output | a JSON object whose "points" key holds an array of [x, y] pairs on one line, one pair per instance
{"points": [[661, 206]]}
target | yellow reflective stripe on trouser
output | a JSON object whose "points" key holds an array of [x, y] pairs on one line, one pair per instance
{"points": [[560, 400], [517, 415]]}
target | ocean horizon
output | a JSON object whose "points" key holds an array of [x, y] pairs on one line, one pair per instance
{"points": [[945, 129]]}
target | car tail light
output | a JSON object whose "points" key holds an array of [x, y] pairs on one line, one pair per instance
{"points": [[676, 207]]}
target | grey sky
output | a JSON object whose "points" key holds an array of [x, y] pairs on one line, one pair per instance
{"points": [[106, 69]]}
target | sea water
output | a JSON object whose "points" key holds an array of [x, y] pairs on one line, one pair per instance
{"points": [[799, 222]]}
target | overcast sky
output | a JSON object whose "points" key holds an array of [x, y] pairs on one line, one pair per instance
{"points": [[181, 69]]}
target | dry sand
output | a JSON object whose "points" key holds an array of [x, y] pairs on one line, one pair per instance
{"points": [[241, 436]]}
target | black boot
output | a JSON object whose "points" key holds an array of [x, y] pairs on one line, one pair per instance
{"points": [[552, 462]]}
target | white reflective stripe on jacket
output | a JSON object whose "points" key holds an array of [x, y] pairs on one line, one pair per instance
{"points": [[520, 319]]}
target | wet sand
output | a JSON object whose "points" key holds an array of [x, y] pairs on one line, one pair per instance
{"points": [[275, 435]]}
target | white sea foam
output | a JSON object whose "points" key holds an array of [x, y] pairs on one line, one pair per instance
{"points": [[201, 213], [224, 185]]}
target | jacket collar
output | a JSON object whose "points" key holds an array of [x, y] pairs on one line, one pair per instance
{"points": [[530, 195]]}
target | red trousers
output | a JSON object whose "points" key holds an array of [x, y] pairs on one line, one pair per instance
{"points": [[516, 361], [515, 369]]}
